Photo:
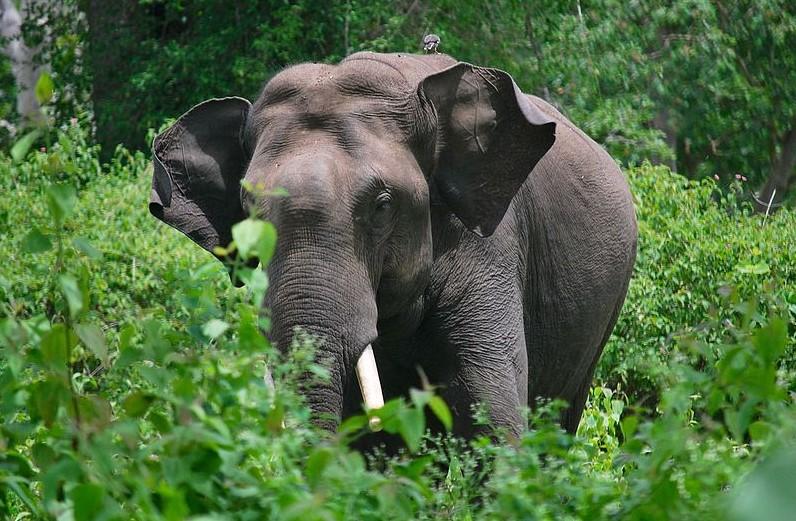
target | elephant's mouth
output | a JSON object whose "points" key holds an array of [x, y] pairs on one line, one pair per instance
{"points": [[369, 384]]}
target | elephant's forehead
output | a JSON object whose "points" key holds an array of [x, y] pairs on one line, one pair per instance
{"points": [[318, 84]]}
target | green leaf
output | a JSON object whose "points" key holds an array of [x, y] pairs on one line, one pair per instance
{"points": [[353, 424], [441, 411], [267, 244], [412, 427], [92, 337], [85, 247], [15, 464], [771, 340], [55, 346], [65, 470], [36, 242], [44, 88], [46, 397], [87, 500], [767, 492], [215, 328], [94, 411], [23, 145], [629, 425], [71, 292], [61, 200], [760, 268], [317, 462], [254, 237], [138, 403], [43, 456]]}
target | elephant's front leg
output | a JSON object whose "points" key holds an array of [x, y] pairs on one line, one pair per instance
{"points": [[491, 370]]}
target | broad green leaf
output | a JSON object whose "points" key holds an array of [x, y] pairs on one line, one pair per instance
{"points": [[23, 145], [759, 268], [246, 235], [255, 238], [65, 470], [412, 427], [36, 242], [267, 244], [72, 293], [767, 492], [92, 337], [95, 412], [61, 199], [15, 464], [629, 425], [353, 424], [771, 340], [85, 247], [214, 328], [87, 500], [55, 346], [441, 411], [44, 88], [138, 403], [43, 456], [317, 462], [46, 398]]}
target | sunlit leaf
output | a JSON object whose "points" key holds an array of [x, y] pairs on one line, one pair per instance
{"points": [[72, 293], [36, 242], [23, 145], [61, 199], [85, 247], [44, 88], [441, 411], [92, 337], [214, 328]]}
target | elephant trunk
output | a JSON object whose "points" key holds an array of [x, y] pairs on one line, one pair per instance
{"points": [[335, 303]]}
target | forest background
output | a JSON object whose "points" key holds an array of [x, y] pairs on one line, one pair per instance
{"points": [[131, 379]]}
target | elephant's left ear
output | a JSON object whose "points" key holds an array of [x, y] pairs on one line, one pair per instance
{"points": [[490, 137]]}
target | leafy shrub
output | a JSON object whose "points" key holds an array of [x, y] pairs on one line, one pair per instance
{"points": [[701, 253], [131, 378]]}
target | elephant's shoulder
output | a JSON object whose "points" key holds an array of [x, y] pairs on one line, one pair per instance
{"points": [[573, 146]]}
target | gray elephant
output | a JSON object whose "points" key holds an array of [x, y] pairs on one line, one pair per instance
{"points": [[436, 215]]}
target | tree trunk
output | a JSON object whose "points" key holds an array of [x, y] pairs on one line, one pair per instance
{"points": [[113, 44], [26, 72], [782, 175], [662, 122]]}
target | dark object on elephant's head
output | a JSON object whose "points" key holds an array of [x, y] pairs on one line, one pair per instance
{"points": [[198, 163], [431, 43]]}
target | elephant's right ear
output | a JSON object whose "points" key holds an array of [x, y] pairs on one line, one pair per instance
{"points": [[199, 162]]}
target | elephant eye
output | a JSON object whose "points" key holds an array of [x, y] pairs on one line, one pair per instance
{"points": [[383, 203], [383, 210]]}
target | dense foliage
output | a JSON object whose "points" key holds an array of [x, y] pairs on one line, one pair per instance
{"points": [[131, 376], [701, 85], [131, 372]]}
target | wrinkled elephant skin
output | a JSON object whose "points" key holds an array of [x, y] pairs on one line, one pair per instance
{"points": [[434, 212]]}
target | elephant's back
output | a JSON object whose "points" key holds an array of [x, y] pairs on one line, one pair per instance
{"points": [[578, 216], [578, 190]]}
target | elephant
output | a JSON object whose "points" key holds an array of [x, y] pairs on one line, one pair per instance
{"points": [[437, 220]]}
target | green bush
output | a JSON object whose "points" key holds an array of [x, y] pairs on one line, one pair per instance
{"points": [[701, 254], [131, 377]]}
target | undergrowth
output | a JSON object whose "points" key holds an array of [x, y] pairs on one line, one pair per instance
{"points": [[131, 376]]}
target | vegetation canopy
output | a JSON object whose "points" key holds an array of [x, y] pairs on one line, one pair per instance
{"points": [[131, 382]]}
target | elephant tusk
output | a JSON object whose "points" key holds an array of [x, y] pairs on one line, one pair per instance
{"points": [[370, 385]]}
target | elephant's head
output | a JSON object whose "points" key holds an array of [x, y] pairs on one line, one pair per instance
{"points": [[363, 149]]}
